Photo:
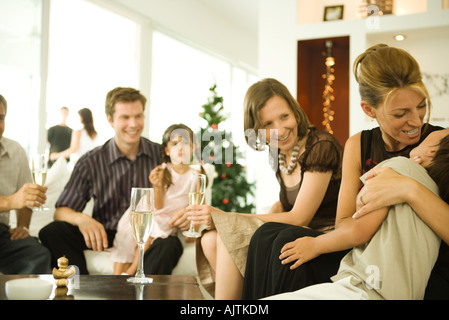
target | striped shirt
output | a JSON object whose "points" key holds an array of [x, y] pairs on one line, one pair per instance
{"points": [[106, 175]]}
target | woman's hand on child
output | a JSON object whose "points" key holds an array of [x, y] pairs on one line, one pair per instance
{"points": [[384, 187]]}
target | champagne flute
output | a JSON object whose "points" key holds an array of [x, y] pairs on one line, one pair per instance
{"points": [[142, 215], [197, 190], [39, 166]]}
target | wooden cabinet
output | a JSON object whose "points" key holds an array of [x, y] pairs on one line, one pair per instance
{"points": [[311, 67]]}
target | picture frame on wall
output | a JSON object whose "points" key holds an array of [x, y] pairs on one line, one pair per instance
{"points": [[332, 13]]}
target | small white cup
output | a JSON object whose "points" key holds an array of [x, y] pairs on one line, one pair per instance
{"points": [[28, 289]]}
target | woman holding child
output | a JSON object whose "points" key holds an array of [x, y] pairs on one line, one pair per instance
{"points": [[394, 250], [392, 92]]}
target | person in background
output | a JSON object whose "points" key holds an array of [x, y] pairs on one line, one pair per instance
{"points": [[107, 175], [60, 135], [83, 140], [19, 252]]}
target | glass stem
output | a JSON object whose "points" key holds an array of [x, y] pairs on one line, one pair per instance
{"points": [[140, 273]]}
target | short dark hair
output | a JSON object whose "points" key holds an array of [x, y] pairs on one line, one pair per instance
{"points": [[3, 101], [439, 168], [120, 94]]}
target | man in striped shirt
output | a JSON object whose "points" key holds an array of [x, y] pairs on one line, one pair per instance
{"points": [[107, 175]]}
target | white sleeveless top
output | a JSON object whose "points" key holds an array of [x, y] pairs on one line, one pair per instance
{"points": [[86, 144]]}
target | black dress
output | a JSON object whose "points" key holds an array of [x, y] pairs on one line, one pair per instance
{"points": [[266, 276]]}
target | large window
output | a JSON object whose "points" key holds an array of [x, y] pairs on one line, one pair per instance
{"points": [[20, 68], [88, 57], [181, 78]]}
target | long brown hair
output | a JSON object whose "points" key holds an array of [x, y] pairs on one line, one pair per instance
{"points": [[88, 121], [186, 133]]}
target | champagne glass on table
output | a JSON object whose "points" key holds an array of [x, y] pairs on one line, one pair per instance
{"points": [[142, 214], [197, 190], [39, 168]]}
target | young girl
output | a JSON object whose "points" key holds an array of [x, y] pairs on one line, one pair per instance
{"points": [[170, 182]]}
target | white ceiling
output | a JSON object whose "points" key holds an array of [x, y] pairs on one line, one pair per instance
{"points": [[243, 13], [19, 18]]}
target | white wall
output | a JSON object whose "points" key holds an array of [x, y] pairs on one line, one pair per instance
{"points": [[430, 48], [313, 11], [279, 33]]}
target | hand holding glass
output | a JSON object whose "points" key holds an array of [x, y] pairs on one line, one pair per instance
{"points": [[142, 214], [197, 190], [39, 171]]}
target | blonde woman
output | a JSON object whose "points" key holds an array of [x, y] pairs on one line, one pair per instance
{"points": [[394, 250]]}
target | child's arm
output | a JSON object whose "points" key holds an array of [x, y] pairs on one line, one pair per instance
{"points": [[350, 233], [158, 198], [156, 179]]}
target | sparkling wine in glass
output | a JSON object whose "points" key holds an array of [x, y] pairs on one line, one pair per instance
{"points": [[39, 171], [197, 190], [142, 215]]}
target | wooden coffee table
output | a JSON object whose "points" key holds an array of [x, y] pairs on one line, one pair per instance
{"points": [[108, 287]]}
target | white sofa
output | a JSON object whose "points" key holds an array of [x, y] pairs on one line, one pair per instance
{"points": [[99, 262]]}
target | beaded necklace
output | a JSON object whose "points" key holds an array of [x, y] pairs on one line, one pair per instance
{"points": [[293, 161]]}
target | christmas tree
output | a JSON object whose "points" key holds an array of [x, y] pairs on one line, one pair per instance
{"points": [[230, 190]]}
